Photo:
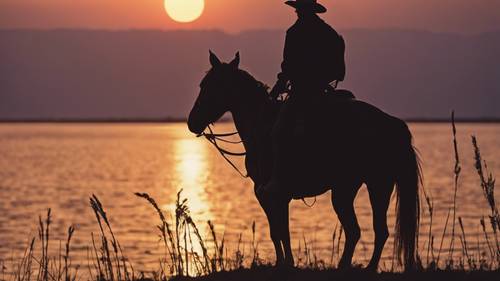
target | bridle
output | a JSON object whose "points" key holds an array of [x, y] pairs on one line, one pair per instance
{"points": [[214, 137]]}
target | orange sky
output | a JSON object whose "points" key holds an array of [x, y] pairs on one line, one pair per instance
{"points": [[464, 16]]}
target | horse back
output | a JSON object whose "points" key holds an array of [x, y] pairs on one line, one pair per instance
{"points": [[341, 135], [348, 137]]}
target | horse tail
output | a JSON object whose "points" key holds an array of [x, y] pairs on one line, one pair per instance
{"points": [[408, 180]]}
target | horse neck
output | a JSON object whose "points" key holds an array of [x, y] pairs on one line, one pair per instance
{"points": [[245, 112]]}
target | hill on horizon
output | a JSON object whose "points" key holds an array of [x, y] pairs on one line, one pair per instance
{"points": [[80, 74]]}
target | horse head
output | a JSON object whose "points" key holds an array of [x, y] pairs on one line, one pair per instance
{"points": [[216, 94]]}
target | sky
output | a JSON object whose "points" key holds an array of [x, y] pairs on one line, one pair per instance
{"points": [[458, 16]]}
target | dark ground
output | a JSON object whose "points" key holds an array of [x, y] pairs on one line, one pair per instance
{"points": [[269, 274]]}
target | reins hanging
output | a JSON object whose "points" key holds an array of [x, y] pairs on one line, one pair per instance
{"points": [[213, 138]]}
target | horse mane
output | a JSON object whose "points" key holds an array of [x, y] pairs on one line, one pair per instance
{"points": [[250, 84], [243, 78], [248, 78]]}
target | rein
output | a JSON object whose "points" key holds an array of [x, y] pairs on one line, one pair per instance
{"points": [[213, 138]]}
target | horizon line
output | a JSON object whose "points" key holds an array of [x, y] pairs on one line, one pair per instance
{"points": [[224, 120], [384, 29]]}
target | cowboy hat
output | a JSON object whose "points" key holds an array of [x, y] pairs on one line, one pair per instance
{"points": [[299, 4]]}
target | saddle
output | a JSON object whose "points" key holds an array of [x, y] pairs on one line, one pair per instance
{"points": [[330, 92], [299, 133]]}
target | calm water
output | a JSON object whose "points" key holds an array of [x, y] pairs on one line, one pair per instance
{"points": [[61, 165]]}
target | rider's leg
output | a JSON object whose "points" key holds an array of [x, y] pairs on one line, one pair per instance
{"points": [[280, 138]]}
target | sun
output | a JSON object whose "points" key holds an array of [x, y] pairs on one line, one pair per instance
{"points": [[184, 10]]}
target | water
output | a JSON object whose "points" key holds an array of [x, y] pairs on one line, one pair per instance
{"points": [[61, 165]]}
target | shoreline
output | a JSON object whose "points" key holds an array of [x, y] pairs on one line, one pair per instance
{"points": [[182, 120]]}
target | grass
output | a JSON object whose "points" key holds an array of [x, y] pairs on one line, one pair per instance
{"points": [[191, 255]]}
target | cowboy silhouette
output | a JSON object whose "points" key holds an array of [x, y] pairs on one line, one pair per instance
{"points": [[313, 58], [357, 144]]}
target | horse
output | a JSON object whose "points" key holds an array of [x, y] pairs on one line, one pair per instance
{"points": [[349, 143]]}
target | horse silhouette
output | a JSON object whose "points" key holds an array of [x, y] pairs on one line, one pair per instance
{"points": [[346, 143]]}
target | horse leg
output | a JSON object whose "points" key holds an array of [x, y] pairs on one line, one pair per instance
{"points": [[272, 215], [343, 203], [276, 238], [275, 232], [285, 235], [380, 195], [280, 232]]}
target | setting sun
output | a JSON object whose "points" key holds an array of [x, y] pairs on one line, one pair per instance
{"points": [[184, 10]]}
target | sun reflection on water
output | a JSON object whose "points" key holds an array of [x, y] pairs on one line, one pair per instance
{"points": [[191, 170]]}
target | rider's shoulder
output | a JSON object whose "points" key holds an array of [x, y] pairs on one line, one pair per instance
{"points": [[329, 27]]}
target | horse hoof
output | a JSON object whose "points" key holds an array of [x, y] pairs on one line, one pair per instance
{"points": [[282, 272], [279, 263], [371, 268], [284, 265], [344, 266]]}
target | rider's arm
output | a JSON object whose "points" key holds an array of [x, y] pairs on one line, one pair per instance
{"points": [[336, 70], [285, 65], [283, 76], [341, 59]]}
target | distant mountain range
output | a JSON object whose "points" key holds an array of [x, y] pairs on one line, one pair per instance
{"points": [[149, 74]]}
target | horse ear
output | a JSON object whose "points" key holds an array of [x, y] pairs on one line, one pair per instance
{"points": [[236, 61], [214, 60]]}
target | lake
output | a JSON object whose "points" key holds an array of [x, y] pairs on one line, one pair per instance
{"points": [[61, 165]]}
